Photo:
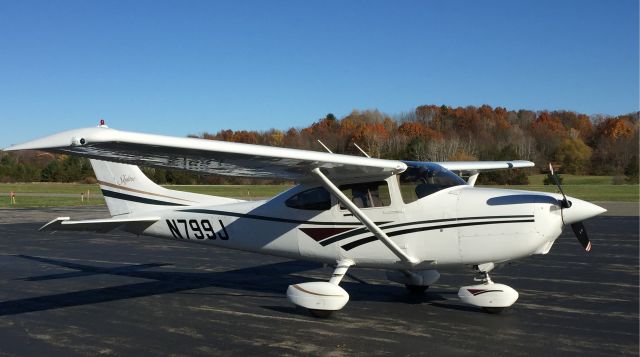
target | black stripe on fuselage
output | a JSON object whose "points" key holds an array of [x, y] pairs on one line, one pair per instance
{"points": [[271, 219], [370, 239], [132, 198], [345, 235], [356, 232]]}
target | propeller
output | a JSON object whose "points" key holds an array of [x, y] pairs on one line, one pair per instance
{"points": [[578, 228], [564, 203], [581, 234]]}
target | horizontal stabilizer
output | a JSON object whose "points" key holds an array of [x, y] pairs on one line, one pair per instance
{"points": [[99, 225]]}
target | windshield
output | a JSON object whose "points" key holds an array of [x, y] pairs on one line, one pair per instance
{"points": [[424, 178]]}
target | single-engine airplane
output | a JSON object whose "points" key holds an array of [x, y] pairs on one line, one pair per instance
{"points": [[410, 218]]}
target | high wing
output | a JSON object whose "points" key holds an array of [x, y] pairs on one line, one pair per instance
{"points": [[209, 156], [227, 158]]}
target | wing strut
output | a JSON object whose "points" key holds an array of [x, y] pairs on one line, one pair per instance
{"points": [[364, 219]]}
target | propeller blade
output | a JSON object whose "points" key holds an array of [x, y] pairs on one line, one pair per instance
{"points": [[565, 203], [581, 234]]}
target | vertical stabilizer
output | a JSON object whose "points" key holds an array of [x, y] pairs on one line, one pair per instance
{"points": [[127, 190]]}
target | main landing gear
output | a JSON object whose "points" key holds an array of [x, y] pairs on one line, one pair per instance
{"points": [[491, 297], [323, 298], [320, 297]]}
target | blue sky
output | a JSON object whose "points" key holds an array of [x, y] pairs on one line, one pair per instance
{"points": [[180, 67]]}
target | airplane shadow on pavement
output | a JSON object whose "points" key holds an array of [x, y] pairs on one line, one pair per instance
{"points": [[270, 279]]}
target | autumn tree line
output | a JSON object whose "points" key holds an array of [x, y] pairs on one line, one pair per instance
{"points": [[575, 143]]}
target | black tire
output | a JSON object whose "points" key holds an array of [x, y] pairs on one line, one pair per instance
{"points": [[323, 314], [494, 310], [417, 289]]}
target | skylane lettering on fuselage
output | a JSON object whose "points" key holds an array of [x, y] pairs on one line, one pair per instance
{"points": [[199, 229]]}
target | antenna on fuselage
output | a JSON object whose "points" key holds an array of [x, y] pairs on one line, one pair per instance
{"points": [[325, 146], [362, 151], [473, 176]]}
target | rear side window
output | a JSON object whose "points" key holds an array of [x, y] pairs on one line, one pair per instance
{"points": [[367, 194], [317, 199]]}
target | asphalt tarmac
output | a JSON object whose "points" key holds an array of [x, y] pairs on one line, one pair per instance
{"points": [[118, 294]]}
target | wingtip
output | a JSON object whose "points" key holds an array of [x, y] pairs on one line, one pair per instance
{"points": [[61, 139], [8, 148], [14, 148], [20, 147]]}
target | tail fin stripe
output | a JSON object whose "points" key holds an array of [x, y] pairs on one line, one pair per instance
{"points": [[132, 198], [127, 190], [112, 185]]}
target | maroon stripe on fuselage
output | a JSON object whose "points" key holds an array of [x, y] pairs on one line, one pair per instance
{"points": [[319, 234]]}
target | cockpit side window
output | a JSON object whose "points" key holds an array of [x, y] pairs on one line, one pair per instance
{"points": [[423, 179], [367, 194], [317, 199]]}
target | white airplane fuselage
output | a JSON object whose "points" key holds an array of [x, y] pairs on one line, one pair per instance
{"points": [[457, 225]]}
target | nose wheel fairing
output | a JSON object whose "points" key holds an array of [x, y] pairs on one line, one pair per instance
{"points": [[490, 296]]}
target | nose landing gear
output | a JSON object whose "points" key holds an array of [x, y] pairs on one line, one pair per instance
{"points": [[491, 297]]}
